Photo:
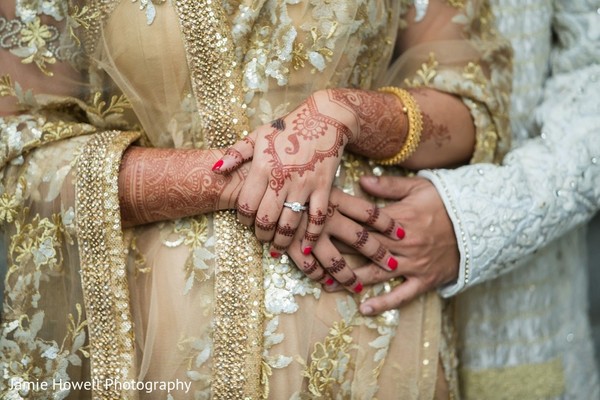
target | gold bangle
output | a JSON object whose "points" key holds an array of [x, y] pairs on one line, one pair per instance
{"points": [[415, 125]]}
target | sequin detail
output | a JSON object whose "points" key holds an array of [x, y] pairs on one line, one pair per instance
{"points": [[103, 272], [216, 82]]}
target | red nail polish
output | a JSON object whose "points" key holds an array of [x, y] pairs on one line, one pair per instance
{"points": [[392, 263], [329, 282], [358, 288], [400, 233], [275, 254], [217, 165], [307, 250]]}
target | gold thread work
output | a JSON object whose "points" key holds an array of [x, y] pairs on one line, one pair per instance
{"points": [[103, 263], [415, 125], [216, 82]]}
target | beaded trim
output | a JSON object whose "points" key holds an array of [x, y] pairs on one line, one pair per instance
{"points": [[103, 263], [415, 125], [239, 294]]}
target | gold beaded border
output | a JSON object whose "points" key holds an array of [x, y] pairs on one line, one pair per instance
{"points": [[239, 295], [415, 125], [103, 263]]}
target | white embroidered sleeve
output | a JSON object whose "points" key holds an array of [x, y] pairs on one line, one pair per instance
{"points": [[548, 185]]}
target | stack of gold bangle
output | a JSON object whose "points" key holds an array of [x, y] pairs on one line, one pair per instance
{"points": [[415, 125]]}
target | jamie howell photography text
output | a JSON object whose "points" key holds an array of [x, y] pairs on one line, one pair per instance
{"points": [[28, 387]]}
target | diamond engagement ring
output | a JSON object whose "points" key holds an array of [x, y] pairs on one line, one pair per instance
{"points": [[295, 206]]}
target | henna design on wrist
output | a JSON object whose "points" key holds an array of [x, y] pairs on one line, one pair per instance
{"points": [[439, 133], [373, 215], [162, 184], [379, 254], [382, 125], [361, 239], [308, 124]]}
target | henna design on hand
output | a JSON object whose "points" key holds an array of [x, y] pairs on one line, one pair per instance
{"points": [[286, 230], [331, 209], [307, 124], [349, 282], [373, 215], [320, 277], [278, 248], [264, 223], [317, 219], [245, 211], [309, 268], [337, 264], [388, 231], [382, 125], [162, 184], [361, 239], [379, 254], [311, 237]]}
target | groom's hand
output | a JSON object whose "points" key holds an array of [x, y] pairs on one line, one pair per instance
{"points": [[428, 255]]}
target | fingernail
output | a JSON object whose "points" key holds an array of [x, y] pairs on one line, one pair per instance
{"points": [[370, 179], [306, 251], [329, 282], [217, 165], [365, 309], [275, 254], [392, 263], [358, 288], [400, 233]]}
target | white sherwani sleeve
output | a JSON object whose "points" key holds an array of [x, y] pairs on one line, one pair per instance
{"points": [[549, 184]]}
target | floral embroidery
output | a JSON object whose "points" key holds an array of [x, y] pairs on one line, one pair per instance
{"points": [[194, 233]]}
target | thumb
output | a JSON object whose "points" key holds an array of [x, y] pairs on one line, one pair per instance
{"points": [[400, 295], [236, 155], [387, 187]]}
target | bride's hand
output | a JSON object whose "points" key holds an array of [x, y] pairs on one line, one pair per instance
{"points": [[294, 163], [351, 221]]}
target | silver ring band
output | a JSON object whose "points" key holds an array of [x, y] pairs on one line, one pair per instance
{"points": [[295, 206]]}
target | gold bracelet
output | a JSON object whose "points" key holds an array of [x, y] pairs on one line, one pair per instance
{"points": [[415, 125]]}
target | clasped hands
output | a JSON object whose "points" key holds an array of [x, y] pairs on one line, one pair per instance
{"points": [[294, 161]]}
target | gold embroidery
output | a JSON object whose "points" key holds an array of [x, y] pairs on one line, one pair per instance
{"points": [[103, 258], [425, 74], [194, 232], [216, 82], [523, 382], [329, 361], [6, 86]]}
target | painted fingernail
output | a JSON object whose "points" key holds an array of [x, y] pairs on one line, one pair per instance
{"points": [[392, 263], [400, 233], [217, 165], [358, 288], [275, 254], [306, 251], [329, 282]]}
